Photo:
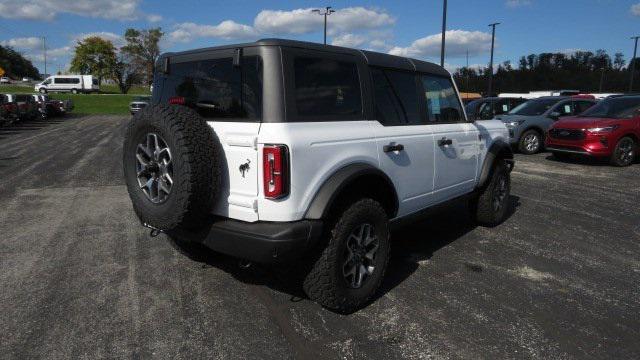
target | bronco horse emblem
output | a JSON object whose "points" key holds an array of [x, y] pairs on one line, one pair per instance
{"points": [[245, 167]]}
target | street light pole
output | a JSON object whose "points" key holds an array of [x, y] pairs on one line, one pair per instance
{"points": [[44, 49], [632, 65], [493, 39], [326, 12], [444, 31]]}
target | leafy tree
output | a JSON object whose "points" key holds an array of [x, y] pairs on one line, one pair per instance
{"points": [[618, 62], [143, 48], [15, 65], [95, 56], [124, 73]]}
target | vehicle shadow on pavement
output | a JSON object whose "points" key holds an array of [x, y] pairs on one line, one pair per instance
{"points": [[579, 160], [410, 246]]}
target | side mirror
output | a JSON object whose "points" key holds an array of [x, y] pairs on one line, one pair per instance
{"points": [[554, 115]]}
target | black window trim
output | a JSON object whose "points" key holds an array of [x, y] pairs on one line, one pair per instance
{"points": [[291, 113]]}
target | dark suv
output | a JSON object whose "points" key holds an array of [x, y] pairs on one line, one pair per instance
{"points": [[489, 108]]}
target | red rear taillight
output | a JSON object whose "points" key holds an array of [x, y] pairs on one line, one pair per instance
{"points": [[275, 174], [177, 100]]}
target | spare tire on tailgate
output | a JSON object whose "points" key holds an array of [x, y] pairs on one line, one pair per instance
{"points": [[170, 160]]}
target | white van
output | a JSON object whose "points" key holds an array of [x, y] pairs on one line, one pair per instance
{"points": [[73, 83]]}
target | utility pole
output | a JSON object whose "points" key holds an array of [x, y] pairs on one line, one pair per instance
{"points": [[493, 40], [44, 50], [632, 65], [326, 12], [444, 31]]}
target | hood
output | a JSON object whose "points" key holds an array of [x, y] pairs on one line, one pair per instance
{"points": [[583, 123]]}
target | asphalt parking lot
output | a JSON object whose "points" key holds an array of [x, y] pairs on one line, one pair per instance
{"points": [[81, 279]]}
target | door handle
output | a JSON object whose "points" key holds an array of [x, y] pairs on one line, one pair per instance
{"points": [[444, 142], [393, 147]]}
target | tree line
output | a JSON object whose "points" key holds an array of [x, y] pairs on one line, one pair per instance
{"points": [[581, 70], [133, 63], [15, 65]]}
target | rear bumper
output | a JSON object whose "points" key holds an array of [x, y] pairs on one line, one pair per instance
{"points": [[262, 242]]}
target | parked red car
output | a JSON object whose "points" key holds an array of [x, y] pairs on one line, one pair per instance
{"points": [[9, 111], [610, 129]]}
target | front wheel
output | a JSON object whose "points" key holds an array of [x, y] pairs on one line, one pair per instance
{"points": [[625, 152], [350, 268], [74, 91], [491, 205], [42, 91], [530, 142]]}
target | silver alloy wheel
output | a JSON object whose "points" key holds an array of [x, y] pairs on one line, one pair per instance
{"points": [[154, 168], [531, 142], [624, 152], [360, 254], [500, 193]]}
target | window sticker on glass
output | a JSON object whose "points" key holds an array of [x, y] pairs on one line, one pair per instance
{"points": [[433, 100], [567, 109], [505, 107]]}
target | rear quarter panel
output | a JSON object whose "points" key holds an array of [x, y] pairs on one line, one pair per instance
{"points": [[317, 150]]}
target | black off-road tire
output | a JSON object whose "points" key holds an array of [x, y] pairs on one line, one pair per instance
{"points": [[194, 151], [522, 144], [482, 205], [325, 282], [616, 158]]}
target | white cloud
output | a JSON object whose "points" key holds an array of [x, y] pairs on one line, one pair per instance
{"points": [[227, 30], [49, 9], [300, 21], [27, 43], [635, 9], [458, 42], [154, 18], [349, 40], [517, 3]]}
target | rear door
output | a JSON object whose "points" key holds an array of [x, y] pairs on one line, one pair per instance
{"points": [[404, 140], [229, 96], [456, 142]]}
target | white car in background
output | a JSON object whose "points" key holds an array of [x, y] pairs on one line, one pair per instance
{"points": [[5, 80], [69, 83]]}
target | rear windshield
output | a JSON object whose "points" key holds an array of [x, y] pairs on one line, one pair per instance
{"points": [[217, 89], [616, 108], [534, 107]]}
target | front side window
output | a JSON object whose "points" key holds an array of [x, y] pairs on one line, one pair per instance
{"points": [[485, 111], [396, 97], [217, 89], [582, 106], [533, 107], [442, 101], [327, 88], [564, 109]]}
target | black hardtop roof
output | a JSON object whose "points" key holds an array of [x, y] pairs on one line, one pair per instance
{"points": [[370, 57]]}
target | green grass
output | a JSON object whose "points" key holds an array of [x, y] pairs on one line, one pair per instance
{"points": [[111, 103]]}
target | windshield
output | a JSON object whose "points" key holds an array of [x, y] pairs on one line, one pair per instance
{"points": [[616, 108], [534, 107], [142, 98]]}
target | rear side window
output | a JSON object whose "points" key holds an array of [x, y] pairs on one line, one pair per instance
{"points": [[327, 88], [217, 89], [442, 101], [582, 106], [396, 97]]}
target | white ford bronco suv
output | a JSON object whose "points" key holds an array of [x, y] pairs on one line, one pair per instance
{"points": [[280, 150]]}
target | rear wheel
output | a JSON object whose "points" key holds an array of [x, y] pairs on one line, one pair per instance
{"points": [[74, 91], [530, 142], [42, 91], [624, 153], [350, 267]]}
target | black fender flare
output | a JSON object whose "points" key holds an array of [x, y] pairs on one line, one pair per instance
{"points": [[327, 194], [498, 150]]}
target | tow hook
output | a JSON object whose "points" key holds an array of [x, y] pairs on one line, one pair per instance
{"points": [[154, 230]]}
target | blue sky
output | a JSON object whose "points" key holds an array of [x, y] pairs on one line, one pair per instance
{"points": [[407, 27]]}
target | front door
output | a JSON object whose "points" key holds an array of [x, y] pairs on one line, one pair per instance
{"points": [[456, 141]]}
